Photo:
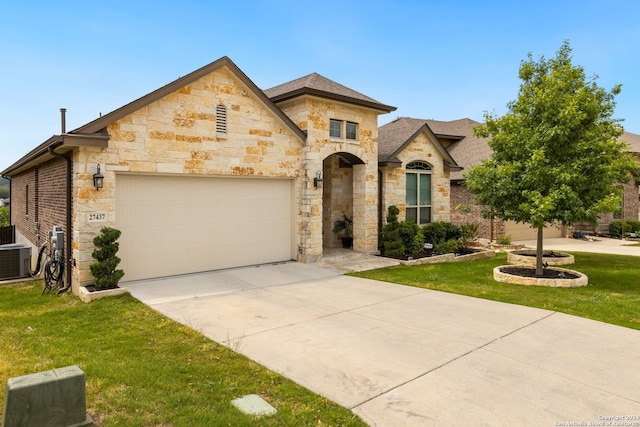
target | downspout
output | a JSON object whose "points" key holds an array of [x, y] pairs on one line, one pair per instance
{"points": [[68, 243]]}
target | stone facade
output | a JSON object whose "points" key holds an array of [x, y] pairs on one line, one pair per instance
{"points": [[353, 192], [422, 148], [177, 135], [213, 123]]}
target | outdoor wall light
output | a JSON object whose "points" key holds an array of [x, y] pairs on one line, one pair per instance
{"points": [[317, 181], [98, 179]]}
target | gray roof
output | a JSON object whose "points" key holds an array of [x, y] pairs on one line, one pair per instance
{"points": [[315, 84], [93, 133], [633, 140], [396, 135]]}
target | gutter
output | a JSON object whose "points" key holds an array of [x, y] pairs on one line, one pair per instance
{"points": [[68, 243]]}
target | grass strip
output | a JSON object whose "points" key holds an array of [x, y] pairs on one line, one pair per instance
{"points": [[143, 369], [612, 296]]}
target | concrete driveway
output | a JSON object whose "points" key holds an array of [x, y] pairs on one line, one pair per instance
{"points": [[402, 356]]}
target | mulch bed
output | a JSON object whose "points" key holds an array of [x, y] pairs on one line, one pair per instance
{"points": [[547, 273], [545, 254]]}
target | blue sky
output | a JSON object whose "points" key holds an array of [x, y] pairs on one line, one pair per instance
{"points": [[440, 60]]}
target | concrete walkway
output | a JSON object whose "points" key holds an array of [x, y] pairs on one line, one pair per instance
{"points": [[601, 245], [403, 356]]}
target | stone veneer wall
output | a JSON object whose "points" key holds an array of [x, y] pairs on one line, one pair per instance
{"points": [[313, 115], [394, 180], [176, 135]]}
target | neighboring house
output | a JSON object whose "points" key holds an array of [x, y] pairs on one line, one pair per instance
{"points": [[468, 150], [415, 171], [5, 202], [254, 176]]}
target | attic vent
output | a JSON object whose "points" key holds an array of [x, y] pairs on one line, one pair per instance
{"points": [[221, 119]]}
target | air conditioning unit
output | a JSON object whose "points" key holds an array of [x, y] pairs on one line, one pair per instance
{"points": [[15, 261]]}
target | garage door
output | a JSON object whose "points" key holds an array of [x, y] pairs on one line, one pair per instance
{"points": [[525, 232], [178, 225]]}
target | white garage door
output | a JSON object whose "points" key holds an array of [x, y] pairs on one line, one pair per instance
{"points": [[177, 225], [519, 231]]}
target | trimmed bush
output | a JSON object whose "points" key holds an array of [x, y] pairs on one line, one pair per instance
{"points": [[412, 237], [391, 244], [441, 231], [105, 270]]}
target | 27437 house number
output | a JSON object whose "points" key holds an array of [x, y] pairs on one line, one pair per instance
{"points": [[97, 217]]}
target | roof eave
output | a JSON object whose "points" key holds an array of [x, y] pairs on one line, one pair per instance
{"points": [[64, 142], [391, 163], [102, 122], [334, 96]]}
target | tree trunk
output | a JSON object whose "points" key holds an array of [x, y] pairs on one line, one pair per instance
{"points": [[539, 252]]}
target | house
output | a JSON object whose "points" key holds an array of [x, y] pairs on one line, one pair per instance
{"points": [[5, 202], [254, 176], [415, 171], [468, 150]]}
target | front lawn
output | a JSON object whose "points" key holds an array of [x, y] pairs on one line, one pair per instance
{"points": [[143, 369], [612, 296]]}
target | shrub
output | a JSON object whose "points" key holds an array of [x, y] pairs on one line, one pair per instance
{"points": [[634, 224], [440, 231], [619, 228], [412, 237], [447, 247], [104, 270], [503, 240], [391, 244], [4, 216]]}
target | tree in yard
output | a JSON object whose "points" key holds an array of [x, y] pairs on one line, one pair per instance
{"points": [[556, 154]]}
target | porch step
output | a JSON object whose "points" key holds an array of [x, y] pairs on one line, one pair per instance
{"points": [[348, 261]]}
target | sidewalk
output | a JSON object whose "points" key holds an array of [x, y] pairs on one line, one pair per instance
{"points": [[600, 245]]}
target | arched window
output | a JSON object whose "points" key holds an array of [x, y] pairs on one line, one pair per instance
{"points": [[418, 195]]}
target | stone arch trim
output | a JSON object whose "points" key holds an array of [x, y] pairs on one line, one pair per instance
{"points": [[346, 151]]}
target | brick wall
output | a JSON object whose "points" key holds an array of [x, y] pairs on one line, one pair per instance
{"points": [[38, 195], [464, 210]]}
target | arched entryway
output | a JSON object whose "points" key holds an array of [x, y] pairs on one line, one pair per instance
{"points": [[343, 193]]}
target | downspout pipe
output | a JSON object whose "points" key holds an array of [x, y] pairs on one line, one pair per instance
{"points": [[68, 249]]}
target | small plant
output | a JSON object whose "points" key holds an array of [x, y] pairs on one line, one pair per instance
{"points": [[344, 226], [448, 247], [503, 240], [469, 233], [105, 270]]}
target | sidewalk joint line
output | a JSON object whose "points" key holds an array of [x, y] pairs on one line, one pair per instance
{"points": [[450, 361]]}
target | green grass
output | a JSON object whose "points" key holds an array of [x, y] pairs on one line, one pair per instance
{"points": [[612, 296], [143, 369]]}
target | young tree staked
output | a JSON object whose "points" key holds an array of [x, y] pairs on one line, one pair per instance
{"points": [[556, 153]]}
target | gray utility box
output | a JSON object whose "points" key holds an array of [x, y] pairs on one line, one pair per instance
{"points": [[52, 398], [15, 261]]}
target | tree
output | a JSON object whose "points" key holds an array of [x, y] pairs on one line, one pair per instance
{"points": [[556, 154]]}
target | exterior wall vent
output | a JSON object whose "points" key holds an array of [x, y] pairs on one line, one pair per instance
{"points": [[15, 261], [221, 120]]}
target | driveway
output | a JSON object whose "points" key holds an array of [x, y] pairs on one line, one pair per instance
{"points": [[403, 356]]}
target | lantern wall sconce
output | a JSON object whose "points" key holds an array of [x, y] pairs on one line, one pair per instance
{"points": [[317, 180], [98, 179]]}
